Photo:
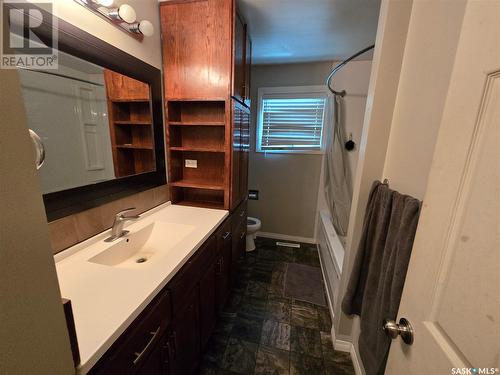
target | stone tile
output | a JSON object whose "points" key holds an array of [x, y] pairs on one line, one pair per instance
{"points": [[276, 335], [214, 353], [252, 308], [280, 311], [327, 346], [263, 276], [247, 329], [224, 324], [306, 365], [304, 316], [306, 256], [341, 365], [233, 303], [239, 356], [305, 341], [272, 361], [324, 319], [257, 289], [208, 368]]}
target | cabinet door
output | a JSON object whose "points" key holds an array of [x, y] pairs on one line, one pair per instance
{"points": [[245, 149], [224, 247], [186, 336], [236, 155], [208, 308], [239, 59], [248, 66], [154, 364]]}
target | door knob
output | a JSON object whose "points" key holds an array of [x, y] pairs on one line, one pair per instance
{"points": [[403, 329]]}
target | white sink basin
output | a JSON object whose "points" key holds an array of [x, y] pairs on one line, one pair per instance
{"points": [[142, 244]]}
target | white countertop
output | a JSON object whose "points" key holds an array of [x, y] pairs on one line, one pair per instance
{"points": [[107, 299]]}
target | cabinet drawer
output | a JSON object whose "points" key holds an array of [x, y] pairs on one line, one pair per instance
{"points": [[240, 214], [136, 344], [189, 275]]}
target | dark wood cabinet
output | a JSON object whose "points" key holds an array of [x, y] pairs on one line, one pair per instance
{"points": [[208, 303], [239, 59], [240, 150], [170, 334], [248, 67], [224, 251], [185, 336], [206, 61]]}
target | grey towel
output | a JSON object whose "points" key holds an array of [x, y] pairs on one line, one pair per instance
{"points": [[377, 278]]}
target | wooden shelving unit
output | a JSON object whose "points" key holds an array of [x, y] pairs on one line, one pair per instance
{"points": [[206, 64], [196, 130], [130, 123]]}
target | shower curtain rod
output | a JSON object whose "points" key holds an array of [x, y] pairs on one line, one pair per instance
{"points": [[60, 75], [332, 73]]}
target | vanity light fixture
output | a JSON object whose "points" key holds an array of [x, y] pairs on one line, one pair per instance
{"points": [[123, 13], [144, 27], [122, 16]]}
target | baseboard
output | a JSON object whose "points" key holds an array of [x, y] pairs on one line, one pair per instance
{"points": [[347, 347], [343, 346], [356, 361], [279, 236]]}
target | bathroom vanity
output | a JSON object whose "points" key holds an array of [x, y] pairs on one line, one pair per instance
{"points": [[147, 303]]}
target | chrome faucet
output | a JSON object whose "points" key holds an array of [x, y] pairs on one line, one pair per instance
{"points": [[117, 229]]}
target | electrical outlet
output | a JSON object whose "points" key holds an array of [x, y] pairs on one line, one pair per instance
{"points": [[190, 163]]}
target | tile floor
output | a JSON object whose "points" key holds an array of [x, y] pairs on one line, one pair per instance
{"points": [[262, 332]]}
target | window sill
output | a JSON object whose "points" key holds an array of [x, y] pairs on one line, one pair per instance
{"points": [[316, 152]]}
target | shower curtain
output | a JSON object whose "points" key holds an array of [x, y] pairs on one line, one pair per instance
{"points": [[338, 189]]}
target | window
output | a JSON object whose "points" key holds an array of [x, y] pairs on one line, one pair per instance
{"points": [[290, 119]]}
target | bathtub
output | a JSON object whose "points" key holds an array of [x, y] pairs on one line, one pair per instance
{"points": [[331, 251]]}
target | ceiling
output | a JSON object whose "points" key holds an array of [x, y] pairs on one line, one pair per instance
{"points": [[288, 31]]}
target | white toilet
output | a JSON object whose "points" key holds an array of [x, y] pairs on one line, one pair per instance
{"points": [[253, 225]]}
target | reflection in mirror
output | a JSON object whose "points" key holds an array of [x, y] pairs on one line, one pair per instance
{"points": [[95, 124]]}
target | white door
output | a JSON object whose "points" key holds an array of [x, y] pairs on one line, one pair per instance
{"points": [[452, 290]]}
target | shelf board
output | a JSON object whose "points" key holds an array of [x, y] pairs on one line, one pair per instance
{"points": [[197, 149], [204, 204], [132, 122], [196, 185], [135, 147], [197, 123], [129, 100]]}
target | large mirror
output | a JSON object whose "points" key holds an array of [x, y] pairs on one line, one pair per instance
{"points": [[99, 118], [95, 124]]}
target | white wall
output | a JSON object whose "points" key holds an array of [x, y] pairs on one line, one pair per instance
{"points": [[149, 50], [33, 331], [415, 48]]}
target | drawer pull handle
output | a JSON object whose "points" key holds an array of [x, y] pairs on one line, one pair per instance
{"points": [[242, 235], [226, 235], [138, 356], [242, 213]]}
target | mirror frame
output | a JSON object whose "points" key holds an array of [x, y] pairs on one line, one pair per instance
{"points": [[83, 45]]}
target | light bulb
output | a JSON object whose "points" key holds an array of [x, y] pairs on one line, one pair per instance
{"points": [[144, 27], [124, 13]]}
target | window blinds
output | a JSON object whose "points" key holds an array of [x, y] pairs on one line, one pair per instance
{"points": [[291, 123]]}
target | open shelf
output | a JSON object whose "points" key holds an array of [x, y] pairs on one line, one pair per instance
{"points": [[197, 138], [136, 147], [197, 197], [197, 149], [196, 185], [133, 122], [197, 112], [197, 123]]}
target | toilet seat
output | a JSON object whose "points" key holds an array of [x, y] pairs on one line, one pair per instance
{"points": [[253, 225]]}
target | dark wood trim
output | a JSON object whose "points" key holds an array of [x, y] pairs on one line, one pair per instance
{"points": [[81, 44]]}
